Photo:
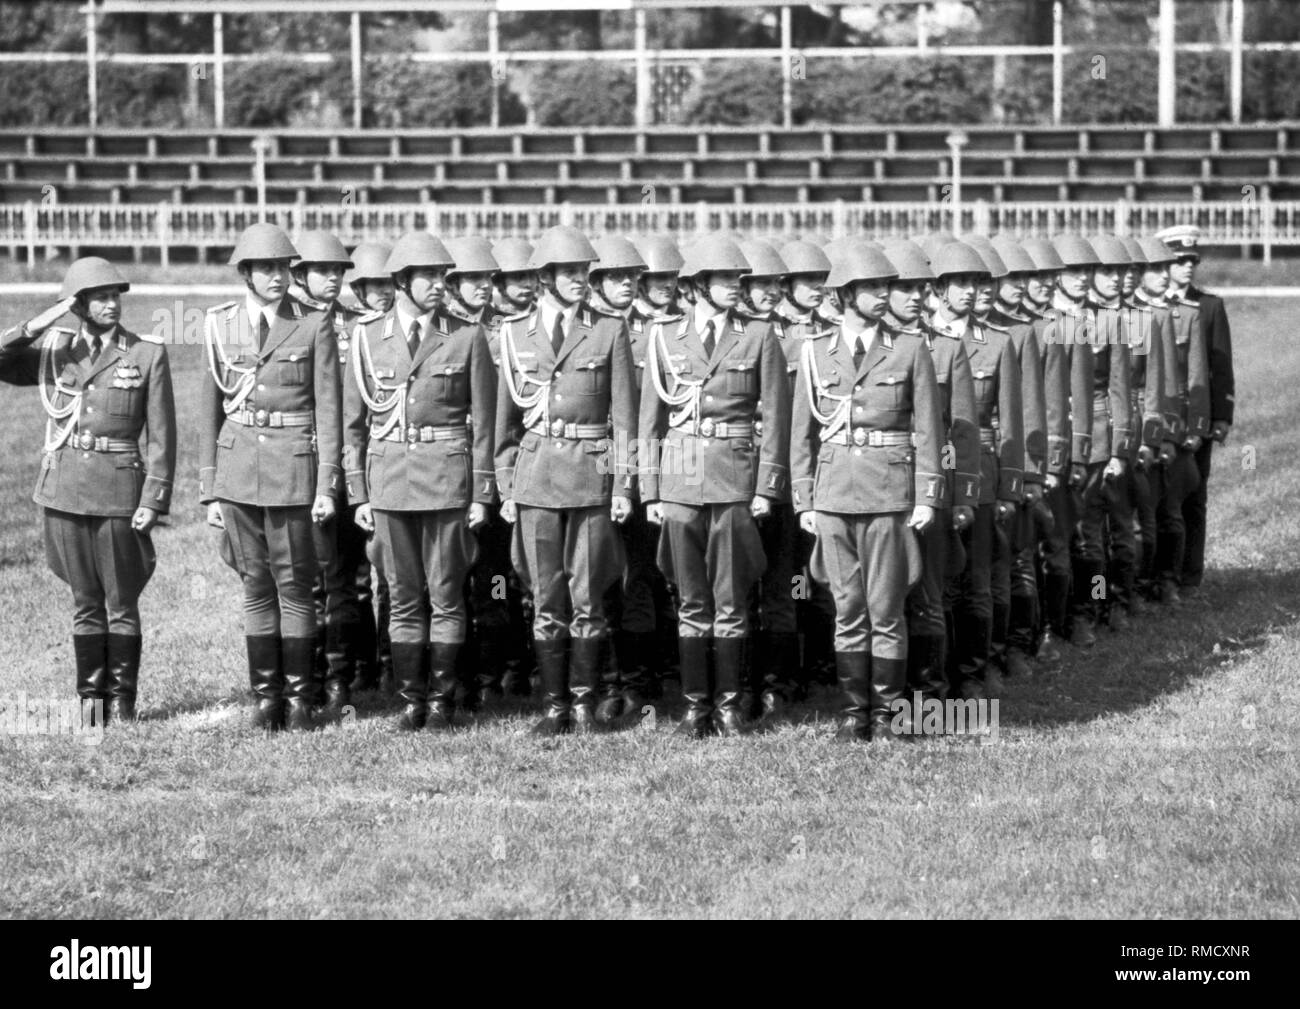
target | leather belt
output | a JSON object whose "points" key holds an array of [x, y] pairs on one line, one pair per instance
{"points": [[273, 418], [989, 436], [710, 428], [412, 434], [87, 442], [574, 432], [875, 439]]}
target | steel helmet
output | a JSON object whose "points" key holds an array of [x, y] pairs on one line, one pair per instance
{"points": [[417, 248], [932, 242], [1134, 249], [764, 260], [512, 255], [805, 258], [1043, 253], [1013, 254], [562, 244], [471, 255], [262, 241], [982, 245], [714, 253], [909, 259], [88, 273], [321, 247], [1075, 250], [370, 261], [1155, 251], [836, 246], [660, 253], [958, 257], [1110, 250], [616, 253], [860, 260]]}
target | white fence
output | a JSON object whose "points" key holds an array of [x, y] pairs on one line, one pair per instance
{"points": [[36, 227]]}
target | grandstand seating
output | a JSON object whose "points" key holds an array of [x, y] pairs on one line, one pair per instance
{"points": [[683, 165]]}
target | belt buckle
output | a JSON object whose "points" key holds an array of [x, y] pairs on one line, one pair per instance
{"points": [[261, 418], [859, 436], [557, 428], [412, 433], [86, 440], [706, 427], [758, 428]]}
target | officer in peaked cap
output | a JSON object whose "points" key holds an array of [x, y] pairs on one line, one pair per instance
{"points": [[1217, 334], [102, 387], [270, 427], [565, 456]]}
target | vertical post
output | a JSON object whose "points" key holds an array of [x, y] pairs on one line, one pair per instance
{"points": [[787, 52], [643, 83], [29, 221], [355, 29], [1058, 61], [1167, 88], [923, 26], [1266, 223], [218, 70], [260, 144], [92, 54], [494, 45], [164, 234], [956, 141], [1235, 59]]}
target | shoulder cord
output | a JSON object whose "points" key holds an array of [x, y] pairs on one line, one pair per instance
{"points": [[536, 405], [394, 403], [238, 392], [832, 423], [685, 395], [56, 438]]}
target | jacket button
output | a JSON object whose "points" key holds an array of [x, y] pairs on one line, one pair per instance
{"points": [[261, 388], [558, 397], [90, 409], [708, 399], [91, 387], [261, 437]]}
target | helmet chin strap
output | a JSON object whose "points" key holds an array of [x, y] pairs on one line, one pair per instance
{"points": [[702, 291]]}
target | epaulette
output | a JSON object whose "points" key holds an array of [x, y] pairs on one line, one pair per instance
{"points": [[988, 324], [1189, 303], [222, 307], [811, 335], [62, 331], [150, 338]]}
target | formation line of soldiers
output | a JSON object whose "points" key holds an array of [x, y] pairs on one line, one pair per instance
{"points": [[908, 468]]}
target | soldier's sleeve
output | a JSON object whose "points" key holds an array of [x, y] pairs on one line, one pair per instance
{"points": [[1035, 410], [653, 426], [1218, 348], [356, 434], [482, 406], [965, 430], [509, 432], [160, 435], [1171, 400], [774, 452], [804, 445], [329, 411], [623, 412], [211, 417], [927, 429], [1079, 353], [1011, 426], [1121, 400], [1154, 370], [1201, 389], [20, 356]]}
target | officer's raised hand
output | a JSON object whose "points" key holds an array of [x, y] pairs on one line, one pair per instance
{"points": [[50, 316], [922, 518], [808, 522], [144, 519], [323, 510], [760, 507], [654, 513], [620, 509], [508, 511], [364, 517], [476, 516], [215, 518], [962, 516]]}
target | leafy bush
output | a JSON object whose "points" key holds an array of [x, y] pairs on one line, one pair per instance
{"points": [[401, 94], [43, 94], [737, 93], [584, 94], [275, 92]]}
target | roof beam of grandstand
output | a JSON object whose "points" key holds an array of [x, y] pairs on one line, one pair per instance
{"points": [[424, 6]]}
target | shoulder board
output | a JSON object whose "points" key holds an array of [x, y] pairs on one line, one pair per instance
{"points": [[61, 331], [371, 316], [1190, 304], [296, 308], [150, 337], [995, 327], [518, 316], [818, 334], [222, 307]]}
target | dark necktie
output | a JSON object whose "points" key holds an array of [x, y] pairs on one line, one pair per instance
{"points": [[557, 334], [413, 339], [263, 330], [94, 348], [709, 342], [859, 352]]}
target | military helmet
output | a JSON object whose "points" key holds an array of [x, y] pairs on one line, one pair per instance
{"points": [[1110, 251], [1013, 254], [1043, 253], [802, 257], [1075, 251], [88, 273], [764, 260], [512, 255], [471, 255], [932, 242], [262, 241], [321, 247], [982, 245], [1156, 251], [660, 253], [562, 244], [370, 261], [1134, 249], [956, 258], [616, 253], [836, 246], [714, 253], [418, 248], [909, 259], [861, 260]]}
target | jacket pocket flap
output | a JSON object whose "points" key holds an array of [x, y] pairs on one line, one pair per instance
{"points": [[226, 439], [891, 378]]}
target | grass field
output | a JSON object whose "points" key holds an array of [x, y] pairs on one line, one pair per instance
{"points": [[1156, 776]]}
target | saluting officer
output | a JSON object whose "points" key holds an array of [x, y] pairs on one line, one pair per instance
{"points": [[419, 402], [1184, 240], [864, 453], [566, 424], [270, 427], [706, 481], [102, 388], [928, 608]]}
